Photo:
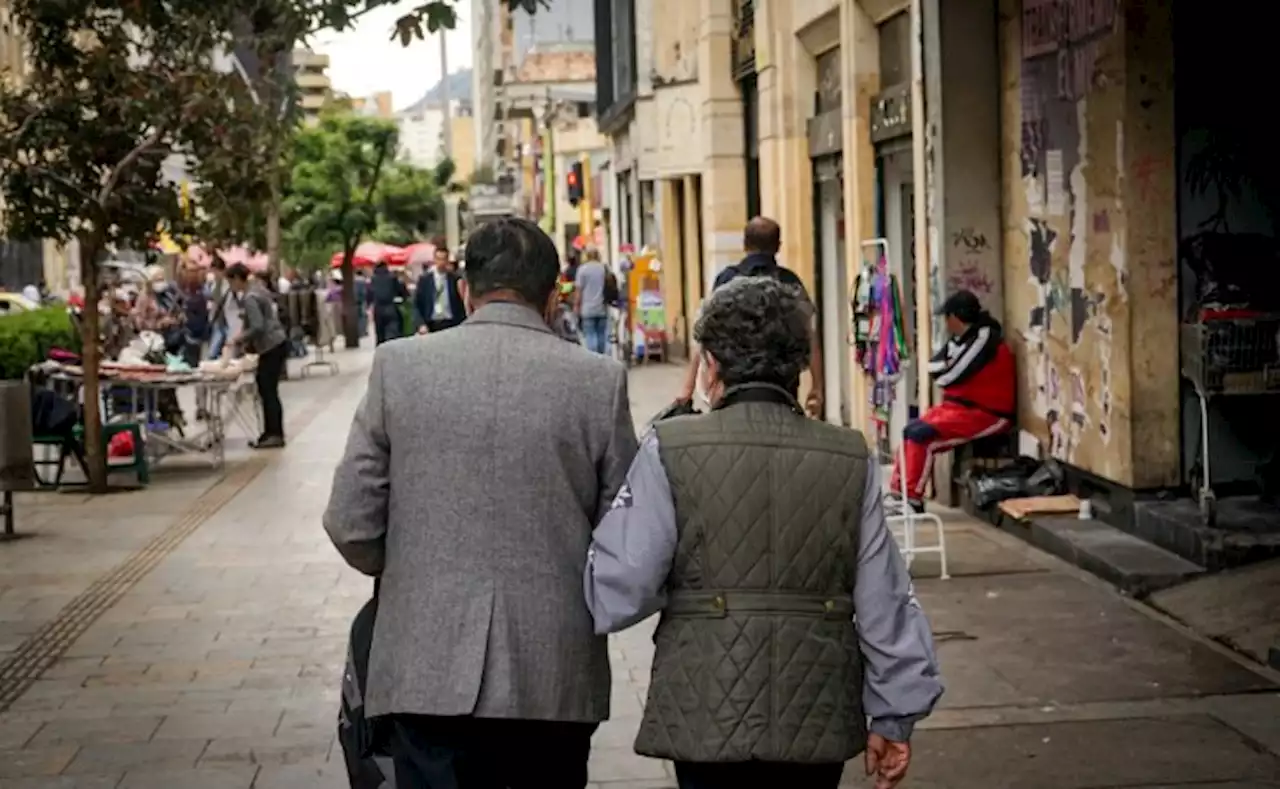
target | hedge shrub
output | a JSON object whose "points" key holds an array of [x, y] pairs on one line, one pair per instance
{"points": [[27, 337]]}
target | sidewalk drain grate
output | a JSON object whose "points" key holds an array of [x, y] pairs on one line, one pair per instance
{"points": [[45, 646]]}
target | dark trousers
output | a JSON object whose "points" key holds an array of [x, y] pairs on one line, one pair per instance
{"points": [[485, 753], [270, 368], [749, 775], [387, 323]]}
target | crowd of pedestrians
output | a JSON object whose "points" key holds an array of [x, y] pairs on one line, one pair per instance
{"points": [[494, 486]]}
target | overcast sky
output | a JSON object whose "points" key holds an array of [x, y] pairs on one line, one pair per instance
{"points": [[364, 60]]}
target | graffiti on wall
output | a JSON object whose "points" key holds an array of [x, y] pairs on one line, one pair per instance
{"points": [[970, 271], [1067, 328]]}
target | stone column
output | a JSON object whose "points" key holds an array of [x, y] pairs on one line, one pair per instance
{"points": [[786, 82], [1149, 184], [672, 236], [694, 275], [860, 75], [724, 182]]}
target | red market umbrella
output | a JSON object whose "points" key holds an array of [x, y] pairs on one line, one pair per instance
{"points": [[368, 255]]}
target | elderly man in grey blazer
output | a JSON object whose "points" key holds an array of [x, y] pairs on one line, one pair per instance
{"points": [[477, 465]]}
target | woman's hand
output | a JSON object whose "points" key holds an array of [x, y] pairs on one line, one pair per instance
{"points": [[887, 761]]}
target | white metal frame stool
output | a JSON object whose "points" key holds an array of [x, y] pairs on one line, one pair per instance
{"points": [[909, 519]]}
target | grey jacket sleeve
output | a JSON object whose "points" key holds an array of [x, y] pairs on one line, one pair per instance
{"points": [[902, 683], [356, 518], [622, 446], [633, 547], [255, 322]]}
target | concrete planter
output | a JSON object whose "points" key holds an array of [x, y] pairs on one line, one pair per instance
{"points": [[16, 456]]}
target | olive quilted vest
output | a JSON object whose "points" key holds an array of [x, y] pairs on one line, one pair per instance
{"points": [[756, 654]]}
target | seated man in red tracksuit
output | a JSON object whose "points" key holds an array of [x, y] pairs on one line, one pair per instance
{"points": [[976, 373]]}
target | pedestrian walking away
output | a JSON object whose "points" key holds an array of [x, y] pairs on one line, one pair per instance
{"points": [[762, 238], [976, 372], [484, 659], [745, 560], [590, 286], [263, 334], [386, 294], [438, 298]]}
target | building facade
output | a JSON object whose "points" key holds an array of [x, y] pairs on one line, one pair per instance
{"points": [[669, 103], [315, 90], [1026, 150]]}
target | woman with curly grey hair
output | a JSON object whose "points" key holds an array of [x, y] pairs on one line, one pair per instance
{"points": [[788, 620]]}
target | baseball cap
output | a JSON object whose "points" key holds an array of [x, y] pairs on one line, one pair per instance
{"points": [[962, 305]]}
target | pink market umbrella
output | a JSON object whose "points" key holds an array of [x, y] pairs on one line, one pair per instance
{"points": [[254, 261], [419, 254]]}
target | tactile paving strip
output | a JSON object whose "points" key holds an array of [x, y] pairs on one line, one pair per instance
{"points": [[45, 646]]}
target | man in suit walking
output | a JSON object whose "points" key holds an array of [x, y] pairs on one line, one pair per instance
{"points": [[477, 466], [438, 299]]}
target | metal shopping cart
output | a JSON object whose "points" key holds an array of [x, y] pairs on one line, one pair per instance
{"points": [[1225, 358]]}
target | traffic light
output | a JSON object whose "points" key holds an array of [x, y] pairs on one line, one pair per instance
{"points": [[574, 183]]}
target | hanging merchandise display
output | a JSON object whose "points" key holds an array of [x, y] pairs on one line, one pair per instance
{"points": [[880, 332]]}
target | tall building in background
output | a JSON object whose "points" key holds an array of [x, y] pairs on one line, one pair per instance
{"points": [[422, 133], [564, 22], [314, 87]]}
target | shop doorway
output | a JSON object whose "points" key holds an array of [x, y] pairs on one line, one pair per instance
{"points": [[1228, 205], [833, 288]]}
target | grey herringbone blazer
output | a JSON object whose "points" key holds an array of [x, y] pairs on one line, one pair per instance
{"points": [[477, 466]]}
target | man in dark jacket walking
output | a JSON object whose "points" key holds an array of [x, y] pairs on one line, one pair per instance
{"points": [[438, 302], [386, 293]]}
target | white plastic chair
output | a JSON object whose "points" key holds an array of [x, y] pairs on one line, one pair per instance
{"points": [[904, 525]]}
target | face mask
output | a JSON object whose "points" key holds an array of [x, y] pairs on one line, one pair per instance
{"points": [[157, 287]]}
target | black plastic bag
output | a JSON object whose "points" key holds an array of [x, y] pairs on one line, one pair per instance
{"points": [[363, 740], [1048, 480], [1024, 478], [990, 489]]}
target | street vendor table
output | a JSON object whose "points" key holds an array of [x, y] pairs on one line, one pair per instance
{"points": [[133, 394]]}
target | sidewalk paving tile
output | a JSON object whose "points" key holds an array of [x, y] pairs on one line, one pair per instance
{"points": [[203, 778], [1079, 755]]}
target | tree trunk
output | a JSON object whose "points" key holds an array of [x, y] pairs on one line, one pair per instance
{"points": [[273, 225], [350, 309], [91, 354]]}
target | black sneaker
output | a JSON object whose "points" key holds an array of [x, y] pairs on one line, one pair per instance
{"points": [[268, 442]]}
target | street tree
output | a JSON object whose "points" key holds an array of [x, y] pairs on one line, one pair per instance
{"points": [[337, 167], [410, 202], [419, 21], [112, 94]]}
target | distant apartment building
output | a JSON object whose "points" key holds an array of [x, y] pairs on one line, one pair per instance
{"points": [[376, 105], [311, 72], [422, 134]]}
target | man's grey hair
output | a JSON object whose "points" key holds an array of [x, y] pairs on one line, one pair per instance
{"points": [[757, 329]]}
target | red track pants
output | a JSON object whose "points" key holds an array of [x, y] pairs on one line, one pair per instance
{"points": [[942, 428]]}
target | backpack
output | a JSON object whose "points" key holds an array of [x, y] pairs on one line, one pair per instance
{"points": [[612, 293]]}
